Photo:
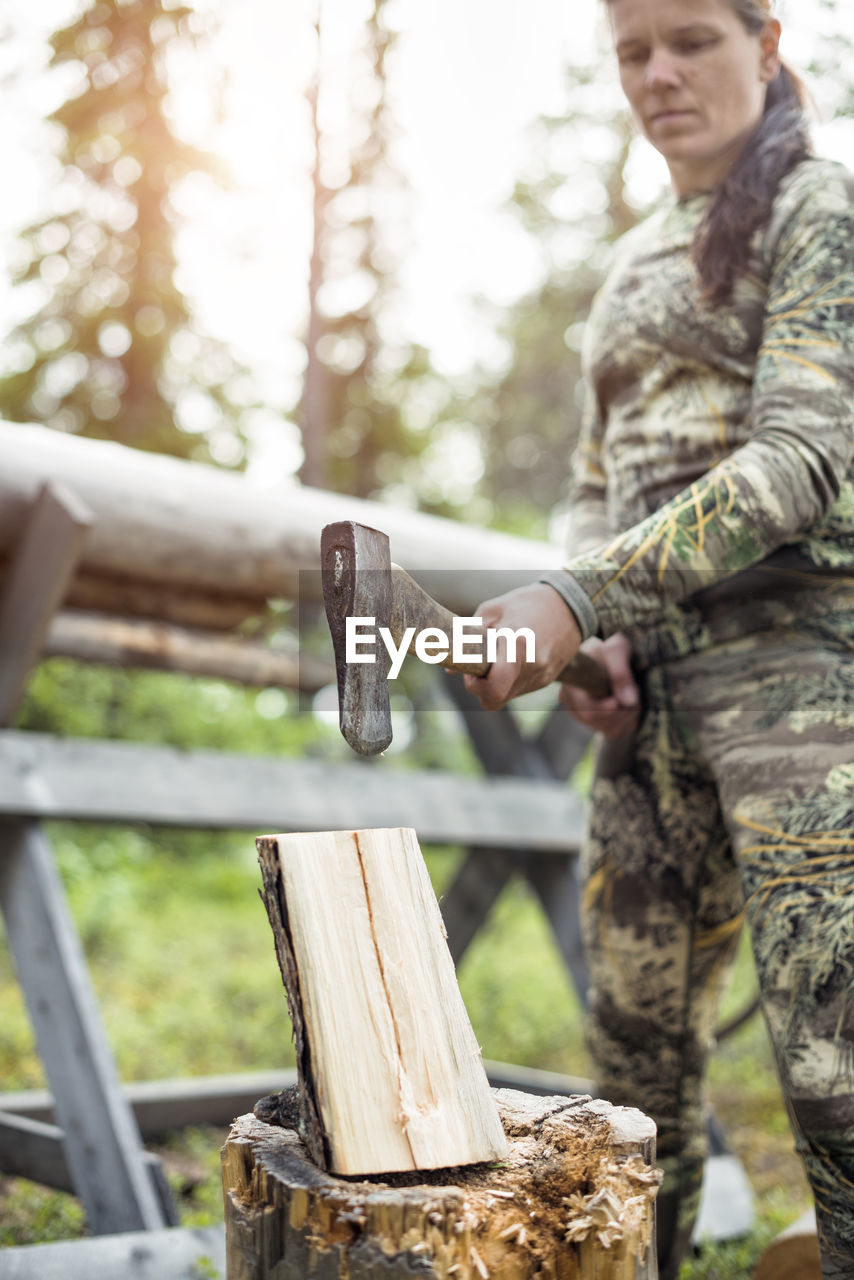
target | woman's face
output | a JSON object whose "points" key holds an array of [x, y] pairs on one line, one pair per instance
{"points": [[695, 79]]}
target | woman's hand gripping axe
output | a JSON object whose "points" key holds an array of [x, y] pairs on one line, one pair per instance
{"points": [[360, 581]]}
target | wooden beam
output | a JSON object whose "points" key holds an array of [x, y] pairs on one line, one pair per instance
{"points": [[35, 1150], [46, 777], [476, 887], [562, 742], [126, 642], [41, 568], [187, 1253], [108, 1167], [556, 883], [505, 1075], [504, 751], [102, 1142], [499, 744], [161, 1106], [479, 882]]}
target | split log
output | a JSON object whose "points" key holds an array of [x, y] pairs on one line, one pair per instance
{"points": [[390, 1074], [793, 1254], [573, 1200], [165, 529], [126, 642]]}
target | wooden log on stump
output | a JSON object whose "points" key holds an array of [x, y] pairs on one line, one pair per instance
{"points": [[390, 1073], [573, 1200]]}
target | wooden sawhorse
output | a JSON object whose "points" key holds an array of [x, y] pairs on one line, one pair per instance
{"points": [[121, 1186]]}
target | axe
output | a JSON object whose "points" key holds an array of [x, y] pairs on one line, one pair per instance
{"points": [[359, 580]]}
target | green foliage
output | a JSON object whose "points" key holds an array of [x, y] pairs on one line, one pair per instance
{"points": [[736, 1259], [573, 203], [111, 347], [83, 701], [206, 1269], [30, 1214]]}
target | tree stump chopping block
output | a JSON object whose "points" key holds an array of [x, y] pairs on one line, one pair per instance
{"points": [[573, 1200]]}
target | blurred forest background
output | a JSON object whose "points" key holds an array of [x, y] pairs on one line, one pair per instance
{"points": [[107, 343]]}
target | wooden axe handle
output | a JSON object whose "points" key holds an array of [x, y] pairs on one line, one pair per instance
{"points": [[413, 607]]}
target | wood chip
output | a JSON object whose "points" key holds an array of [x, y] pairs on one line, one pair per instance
{"points": [[478, 1263]]}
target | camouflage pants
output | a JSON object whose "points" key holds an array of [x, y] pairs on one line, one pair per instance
{"points": [[734, 801]]}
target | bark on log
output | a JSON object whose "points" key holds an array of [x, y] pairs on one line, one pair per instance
{"points": [[574, 1200], [99, 638], [179, 603], [176, 604], [180, 528], [390, 1074]]}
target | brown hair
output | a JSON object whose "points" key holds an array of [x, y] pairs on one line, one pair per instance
{"points": [[742, 203]]}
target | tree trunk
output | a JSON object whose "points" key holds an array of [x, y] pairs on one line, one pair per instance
{"points": [[573, 1200], [315, 405]]}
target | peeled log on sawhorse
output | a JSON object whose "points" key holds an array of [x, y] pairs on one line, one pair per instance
{"points": [[203, 546], [573, 1200], [390, 1073]]}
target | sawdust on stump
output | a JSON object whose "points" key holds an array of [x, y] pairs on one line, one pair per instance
{"points": [[573, 1200]]}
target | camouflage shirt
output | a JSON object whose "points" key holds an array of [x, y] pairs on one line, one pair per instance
{"points": [[713, 490]]}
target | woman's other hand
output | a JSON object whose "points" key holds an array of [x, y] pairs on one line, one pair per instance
{"points": [[557, 638], [618, 714]]}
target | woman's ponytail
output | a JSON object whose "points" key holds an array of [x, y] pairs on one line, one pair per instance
{"points": [[742, 203]]}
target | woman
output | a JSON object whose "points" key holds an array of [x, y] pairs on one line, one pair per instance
{"points": [[711, 571]]}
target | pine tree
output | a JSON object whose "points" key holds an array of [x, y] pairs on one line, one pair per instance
{"points": [[352, 413], [574, 203], [112, 346]]}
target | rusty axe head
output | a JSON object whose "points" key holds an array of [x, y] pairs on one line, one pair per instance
{"points": [[356, 575]]}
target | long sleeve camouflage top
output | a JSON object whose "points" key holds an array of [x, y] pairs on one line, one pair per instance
{"points": [[714, 481]]}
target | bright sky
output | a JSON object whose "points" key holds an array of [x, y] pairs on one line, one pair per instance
{"points": [[466, 79], [469, 77]]}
